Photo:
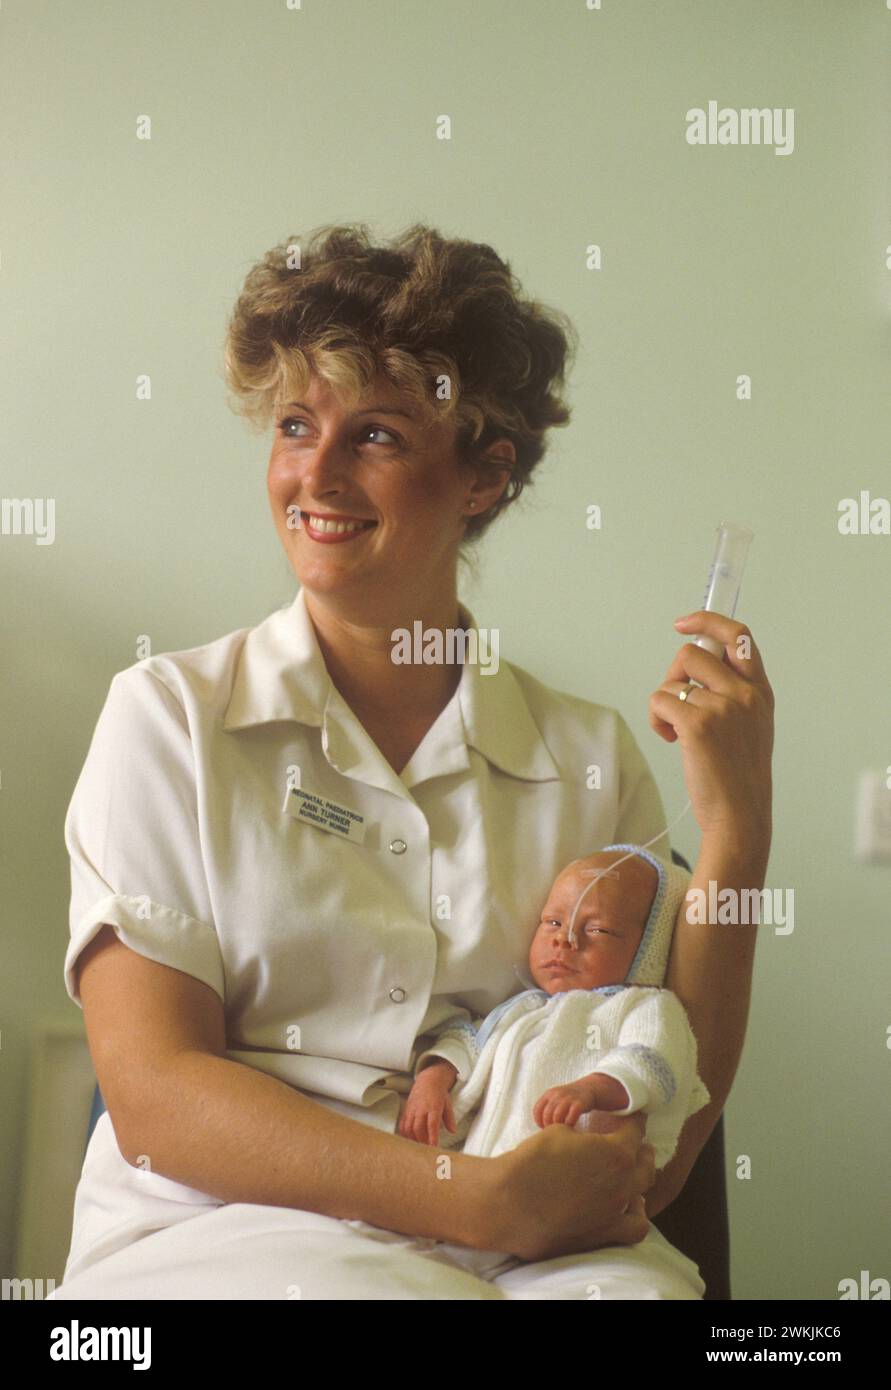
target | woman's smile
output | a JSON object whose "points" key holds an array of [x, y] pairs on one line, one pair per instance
{"points": [[332, 529]]}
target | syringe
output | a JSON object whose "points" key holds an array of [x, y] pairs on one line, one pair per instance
{"points": [[721, 595], [724, 578]]}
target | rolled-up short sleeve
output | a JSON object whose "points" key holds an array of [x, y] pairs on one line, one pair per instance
{"points": [[641, 814], [132, 834]]}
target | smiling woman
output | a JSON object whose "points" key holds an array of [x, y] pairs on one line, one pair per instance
{"points": [[278, 971]]}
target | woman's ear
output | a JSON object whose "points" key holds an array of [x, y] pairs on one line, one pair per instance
{"points": [[490, 473]]}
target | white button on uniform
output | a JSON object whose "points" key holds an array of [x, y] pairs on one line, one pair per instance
{"points": [[397, 846], [397, 994]]}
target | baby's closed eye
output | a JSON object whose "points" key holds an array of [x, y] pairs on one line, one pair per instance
{"points": [[590, 929]]}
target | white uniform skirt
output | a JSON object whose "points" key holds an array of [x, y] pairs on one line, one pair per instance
{"points": [[138, 1235]]}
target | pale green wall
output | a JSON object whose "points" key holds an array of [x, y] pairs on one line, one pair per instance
{"points": [[121, 257]]}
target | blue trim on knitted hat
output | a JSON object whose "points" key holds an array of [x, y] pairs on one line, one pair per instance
{"points": [[662, 870]]}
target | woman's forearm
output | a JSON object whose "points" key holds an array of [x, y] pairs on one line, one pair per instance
{"points": [[710, 967], [240, 1135], [710, 970]]}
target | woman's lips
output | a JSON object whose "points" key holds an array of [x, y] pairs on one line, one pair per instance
{"points": [[334, 537]]}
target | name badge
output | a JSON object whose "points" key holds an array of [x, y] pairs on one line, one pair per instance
{"points": [[325, 815]]}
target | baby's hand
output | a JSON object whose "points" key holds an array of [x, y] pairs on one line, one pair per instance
{"points": [[564, 1105], [428, 1102]]}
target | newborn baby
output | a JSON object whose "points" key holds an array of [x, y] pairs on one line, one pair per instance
{"points": [[596, 1032]]}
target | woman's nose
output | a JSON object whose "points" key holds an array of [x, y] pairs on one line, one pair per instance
{"points": [[324, 464], [325, 470]]}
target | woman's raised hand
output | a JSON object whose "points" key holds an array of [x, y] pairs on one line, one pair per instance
{"points": [[725, 729]]}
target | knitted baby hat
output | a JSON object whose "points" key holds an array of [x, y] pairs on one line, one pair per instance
{"points": [[651, 959]]}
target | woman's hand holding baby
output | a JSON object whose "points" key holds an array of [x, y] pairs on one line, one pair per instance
{"points": [[565, 1105], [428, 1103], [561, 1191]]}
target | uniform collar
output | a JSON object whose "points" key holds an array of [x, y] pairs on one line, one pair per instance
{"points": [[281, 675]]}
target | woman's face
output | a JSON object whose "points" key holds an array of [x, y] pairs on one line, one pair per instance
{"points": [[375, 463]]}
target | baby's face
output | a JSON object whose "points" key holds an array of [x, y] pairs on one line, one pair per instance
{"points": [[608, 925]]}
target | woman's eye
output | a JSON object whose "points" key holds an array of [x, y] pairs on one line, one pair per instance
{"points": [[284, 427], [291, 420], [379, 429]]}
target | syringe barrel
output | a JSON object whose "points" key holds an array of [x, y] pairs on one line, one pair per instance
{"points": [[725, 577]]}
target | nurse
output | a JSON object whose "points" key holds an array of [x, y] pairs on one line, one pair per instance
{"points": [[293, 856]]}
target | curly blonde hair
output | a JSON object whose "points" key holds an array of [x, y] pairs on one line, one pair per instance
{"points": [[417, 310]]}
